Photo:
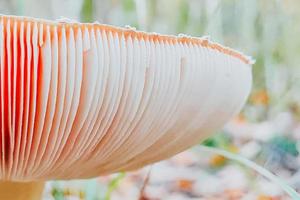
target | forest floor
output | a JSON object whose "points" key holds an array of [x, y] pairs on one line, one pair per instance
{"points": [[195, 174]]}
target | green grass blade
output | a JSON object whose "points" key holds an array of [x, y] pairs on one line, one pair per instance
{"points": [[87, 11], [114, 184]]}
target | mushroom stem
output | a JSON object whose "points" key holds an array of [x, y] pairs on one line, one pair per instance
{"points": [[21, 190]]}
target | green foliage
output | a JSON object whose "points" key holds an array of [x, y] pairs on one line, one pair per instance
{"points": [[285, 144], [128, 5], [218, 140], [57, 191]]}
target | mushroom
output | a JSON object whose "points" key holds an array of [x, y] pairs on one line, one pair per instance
{"points": [[83, 100]]}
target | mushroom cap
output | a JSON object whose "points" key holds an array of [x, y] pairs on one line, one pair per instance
{"points": [[82, 100]]}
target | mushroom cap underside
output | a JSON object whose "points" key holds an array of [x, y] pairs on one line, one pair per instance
{"points": [[81, 100]]}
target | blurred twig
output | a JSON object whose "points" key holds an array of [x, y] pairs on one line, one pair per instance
{"points": [[145, 183]]}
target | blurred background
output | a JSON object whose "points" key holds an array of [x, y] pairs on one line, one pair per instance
{"points": [[268, 129]]}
